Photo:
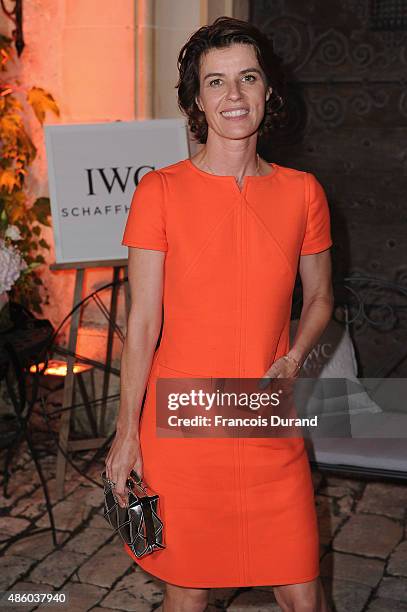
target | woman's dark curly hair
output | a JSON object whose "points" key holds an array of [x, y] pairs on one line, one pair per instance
{"points": [[222, 33]]}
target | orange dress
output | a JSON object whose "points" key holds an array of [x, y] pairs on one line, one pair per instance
{"points": [[236, 511]]}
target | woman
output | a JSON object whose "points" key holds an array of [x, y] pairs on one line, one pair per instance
{"points": [[218, 239]]}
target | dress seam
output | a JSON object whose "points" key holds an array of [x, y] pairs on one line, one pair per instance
{"points": [[165, 191], [245, 291], [241, 272], [237, 440], [273, 238], [307, 200], [242, 531], [243, 373], [246, 515], [237, 313], [237, 498], [212, 231], [155, 246]]}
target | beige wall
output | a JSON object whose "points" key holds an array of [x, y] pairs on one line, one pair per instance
{"points": [[97, 62]]}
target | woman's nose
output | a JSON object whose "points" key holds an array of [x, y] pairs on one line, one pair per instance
{"points": [[234, 91]]}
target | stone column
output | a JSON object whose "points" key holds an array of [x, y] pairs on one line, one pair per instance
{"points": [[144, 59]]}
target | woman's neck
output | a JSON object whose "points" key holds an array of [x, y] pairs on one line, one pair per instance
{"points": [[230, 157], [224, 161], [228, 161]]}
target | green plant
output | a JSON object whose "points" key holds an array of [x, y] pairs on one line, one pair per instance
{"points": [[19, 222]]}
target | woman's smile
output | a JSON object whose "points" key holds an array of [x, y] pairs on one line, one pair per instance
{"points": [[235, 114]]}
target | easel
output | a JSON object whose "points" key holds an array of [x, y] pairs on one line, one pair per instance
{"points": [[66, 445]]}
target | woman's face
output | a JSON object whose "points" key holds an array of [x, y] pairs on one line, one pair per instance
{"points": [[233, 91]]}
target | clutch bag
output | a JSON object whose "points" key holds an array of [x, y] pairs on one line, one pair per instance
{"points": [[138, 524]]}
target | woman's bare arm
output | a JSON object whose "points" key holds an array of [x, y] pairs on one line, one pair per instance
{"points": [[146, 274], [315, 272]]}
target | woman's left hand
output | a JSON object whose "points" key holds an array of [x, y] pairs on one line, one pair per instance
{"points": [[281, 368]]}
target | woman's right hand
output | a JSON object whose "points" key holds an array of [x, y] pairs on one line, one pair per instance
{"points": [[124, 455]]}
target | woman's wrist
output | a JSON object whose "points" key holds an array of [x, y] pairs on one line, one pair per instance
{"points": [[294, 359], [125, 432]]}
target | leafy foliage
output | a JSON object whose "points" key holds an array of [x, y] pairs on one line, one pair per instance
{"points": [[41, 101], [17, 152]]}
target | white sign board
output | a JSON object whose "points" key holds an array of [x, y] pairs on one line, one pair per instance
{"points": [[93, 170]]}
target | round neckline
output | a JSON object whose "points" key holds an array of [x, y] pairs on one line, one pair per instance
{"points": [[230, 176]]}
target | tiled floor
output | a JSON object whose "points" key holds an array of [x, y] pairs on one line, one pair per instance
{"points": [[363, 549]]}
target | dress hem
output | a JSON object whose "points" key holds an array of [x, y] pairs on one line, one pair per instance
{"points": [[224, 584]]}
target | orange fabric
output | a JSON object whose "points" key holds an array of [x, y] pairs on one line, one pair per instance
{"points": [[237, 511]]}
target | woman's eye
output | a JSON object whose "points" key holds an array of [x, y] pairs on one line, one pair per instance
{"points": [[249, 77], [216, 81]]}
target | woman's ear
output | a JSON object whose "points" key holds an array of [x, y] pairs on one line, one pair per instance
{"points": [[268, 93], [198, 103]]}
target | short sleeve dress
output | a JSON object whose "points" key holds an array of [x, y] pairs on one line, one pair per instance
{"points": [[237, 511]]}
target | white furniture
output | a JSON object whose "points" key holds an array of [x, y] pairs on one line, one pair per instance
{"points": [[377, 413]]}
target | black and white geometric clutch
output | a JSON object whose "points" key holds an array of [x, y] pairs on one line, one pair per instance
{"points": [[139, 524]]}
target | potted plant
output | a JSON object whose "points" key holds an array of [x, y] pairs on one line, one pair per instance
{"points": [[12, 264], [21, 241]]}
